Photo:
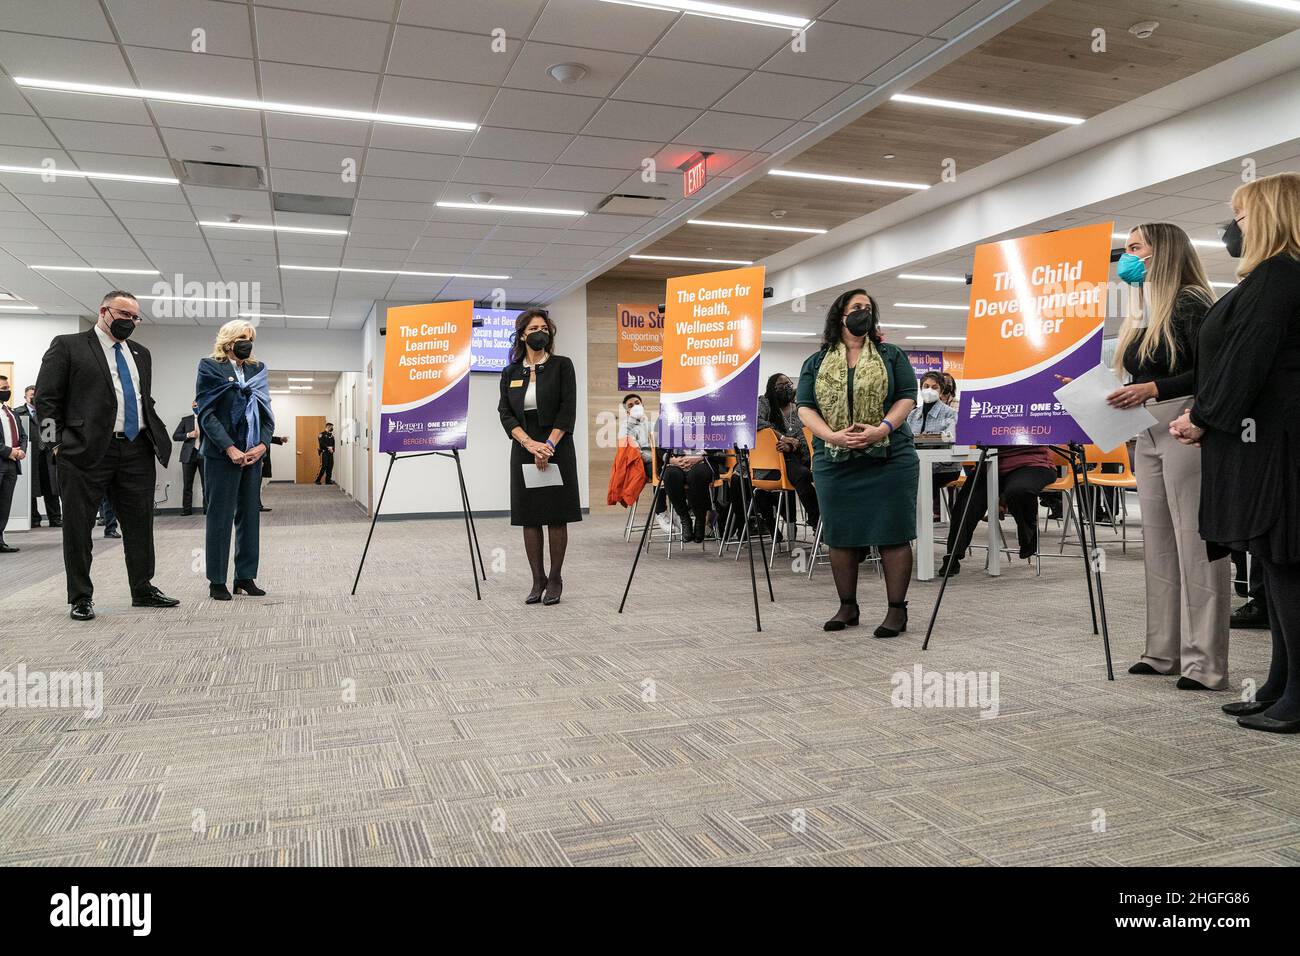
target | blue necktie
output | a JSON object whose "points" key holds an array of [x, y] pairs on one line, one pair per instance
{"points": [[130, 417]]}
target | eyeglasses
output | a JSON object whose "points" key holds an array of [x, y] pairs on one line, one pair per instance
{"points": [[133, 316]]}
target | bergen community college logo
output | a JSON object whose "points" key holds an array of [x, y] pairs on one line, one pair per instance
{"points": [[993, 410], [399, 426]]}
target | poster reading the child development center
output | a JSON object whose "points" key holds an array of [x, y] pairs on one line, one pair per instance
{"points": [[1037, 310], [712, 327], [425, 402], [640, 347]]}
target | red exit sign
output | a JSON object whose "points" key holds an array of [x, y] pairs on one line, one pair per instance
{"points": [[693, 177]]}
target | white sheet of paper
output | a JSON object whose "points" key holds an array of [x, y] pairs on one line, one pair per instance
{"points": [[1085, 400], [535, 477]]}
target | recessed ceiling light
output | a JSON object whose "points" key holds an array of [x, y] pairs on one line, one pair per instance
{"points": [[1145, 29], [723, 262], [392, 272], [936, 338], [750, 225], [279, 315], [268, 228], [852, 180], [927, 305], [888, 156], [929, 278], [109, 269], [486, 207], [984, 108], [567, 73], [229, 102], [719, 11], [86, 174]]}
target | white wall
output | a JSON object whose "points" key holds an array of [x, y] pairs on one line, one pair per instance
{"points": [[428, 485]]}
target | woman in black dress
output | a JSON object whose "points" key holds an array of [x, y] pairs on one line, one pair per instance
{"points": [[539, 403], [1243, 416]]}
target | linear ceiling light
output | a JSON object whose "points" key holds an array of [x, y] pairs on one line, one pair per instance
{"points": [[719, 11], [182, 298], [899, 325], [779, 332], [928, 278], [56, 172], [983, 108], [392, 272], [1291, 5], [279, 315], [493, 207], [721, 262], [292, 379], [852, 180], [1203, 243], [234, 103], [125, 272], [253, 225], [750, 225], [936, 338], [18, 308], [927, 305]]}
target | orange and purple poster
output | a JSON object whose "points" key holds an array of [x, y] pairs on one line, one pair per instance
{"points": [[1037, 310], [640, 347], [425, 404], [708, 399]]}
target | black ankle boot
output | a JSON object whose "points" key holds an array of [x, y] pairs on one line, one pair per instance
{"points": [[248, 586], [218, 592], [843, 619], [883, 631]]}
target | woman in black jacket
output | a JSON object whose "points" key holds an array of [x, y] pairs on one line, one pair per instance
{"points": [[538, 408], [1247, 376]]}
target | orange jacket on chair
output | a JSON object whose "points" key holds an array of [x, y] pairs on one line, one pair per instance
{"points": [[627, 477]]}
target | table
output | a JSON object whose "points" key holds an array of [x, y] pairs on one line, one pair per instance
{"points": [[925, 504]]}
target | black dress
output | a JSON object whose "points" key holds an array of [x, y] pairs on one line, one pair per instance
{"points": [[1247, 379], [557, 407]]}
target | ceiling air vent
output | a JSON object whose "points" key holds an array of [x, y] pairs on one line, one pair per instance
{"points": [[316, 205], [193, 172], [624, 204]]}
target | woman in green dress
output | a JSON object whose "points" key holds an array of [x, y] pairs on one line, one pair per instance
{"points": [[855, 395]]}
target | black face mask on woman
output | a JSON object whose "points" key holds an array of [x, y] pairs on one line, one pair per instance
{"points": [[861, 321], [538, 341], [242, 349], [1232, 238]]}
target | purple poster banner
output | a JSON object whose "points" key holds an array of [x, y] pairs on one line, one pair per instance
{"points": [[425, 404]]}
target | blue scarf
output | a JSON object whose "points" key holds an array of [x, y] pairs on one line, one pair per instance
{"points": [[211, 385]]}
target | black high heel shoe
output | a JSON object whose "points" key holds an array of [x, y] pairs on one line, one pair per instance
{"points": [[248, 586], [883, 631], [218, 592], [1244, 708], [535, 595], [838, 623], [553, 592]]}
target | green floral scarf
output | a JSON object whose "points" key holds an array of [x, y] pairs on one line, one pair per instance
{"points": [[870, 386]]}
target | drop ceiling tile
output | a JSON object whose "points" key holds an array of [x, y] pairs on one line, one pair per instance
{"points": [[414, 139], [908, 58], [392, 210], [100, 109], [381, 187], [455, 228], [171, 25], [430, 167], [494, 143], [837, 52], [23, 54], [316, 129], [197, 145], [724, 42], [788, 97], [237, 200], [311, 184], [80, 19], [481, 17], [677, 83], [444, 55], [605, 69], [317, 86], [107, 138], [463, 102], [609, 153], [289, 36], [968, 18], [919, 18], [547, 112], [498, 172], [194, 72], [26, 131], [584, 178], [782, 140], [312, 157], [238, 122], [845, 100], [72, 205], [733, 131], [640, 121]]}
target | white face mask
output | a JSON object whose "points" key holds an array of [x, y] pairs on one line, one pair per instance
{"points": [[636, 411], [929, 395]]}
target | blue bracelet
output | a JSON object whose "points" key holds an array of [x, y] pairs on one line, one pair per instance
{"points": [[886, 421], [551, 443]]}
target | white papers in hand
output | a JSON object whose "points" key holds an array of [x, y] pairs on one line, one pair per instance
{"points": [[535, 477], [1085, 400]]}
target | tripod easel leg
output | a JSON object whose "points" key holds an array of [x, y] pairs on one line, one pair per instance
{"points": [[469, 534], [742, 462], [464, 497], [1101, 597], [392, 457], [947, 565], [645, 532], [1083, 544]]}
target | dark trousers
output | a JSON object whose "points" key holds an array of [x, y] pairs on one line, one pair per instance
{"points": [[326, 465], [8, 480], [126, 474], [765, 502], [688, 490], [188, 470], [44, 470], [108, 516], [232, 493], [1019, 488], [1254, 579]]}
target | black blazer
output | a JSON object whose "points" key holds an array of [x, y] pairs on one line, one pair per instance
{"points": [[182, 435], [223, 424], [5, 450], [557, 395], [1247, 378], [74, 390]]}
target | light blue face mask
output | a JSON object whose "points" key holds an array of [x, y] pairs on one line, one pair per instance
{"points": [[1131, 269]]}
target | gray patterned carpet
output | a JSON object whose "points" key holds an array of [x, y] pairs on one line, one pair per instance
{"points": [[413, 725]]}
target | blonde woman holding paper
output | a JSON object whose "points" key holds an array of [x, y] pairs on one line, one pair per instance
{"points": [[1188, 595]]}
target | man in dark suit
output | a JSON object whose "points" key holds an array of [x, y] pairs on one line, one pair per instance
{"points": [[95, 394], [45, 483], [187, 433], [325, 445], [13, 449]]}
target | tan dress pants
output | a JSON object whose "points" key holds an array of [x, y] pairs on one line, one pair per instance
{"points": [[1188, 597]]}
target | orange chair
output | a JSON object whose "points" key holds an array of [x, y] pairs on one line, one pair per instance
{"points": [[655, 482], [1122, 480], [764, 456]]}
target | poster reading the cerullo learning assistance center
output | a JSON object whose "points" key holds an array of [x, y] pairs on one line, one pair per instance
{"points": [[425, 400]]}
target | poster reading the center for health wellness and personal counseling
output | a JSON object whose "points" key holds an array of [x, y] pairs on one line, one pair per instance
{"points": [[1037, 310], [425, 402], [708, 399], [640, 332]]}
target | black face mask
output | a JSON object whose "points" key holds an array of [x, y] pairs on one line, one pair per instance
{"points": [[122, 328], [242, 349], [4, 394], [785, 394], [538, 341], [861, 321], [1232, 238]]}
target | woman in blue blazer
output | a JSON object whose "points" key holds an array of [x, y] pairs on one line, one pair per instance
{"points": [[236, 425]]}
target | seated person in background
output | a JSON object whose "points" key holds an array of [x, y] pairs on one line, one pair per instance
{"points": [[933, 417], [636, 426], [948, 393], [688, 478], [777, 410], [1023, 471]]}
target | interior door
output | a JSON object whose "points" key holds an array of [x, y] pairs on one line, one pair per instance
{"points": [[308, 465]]}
